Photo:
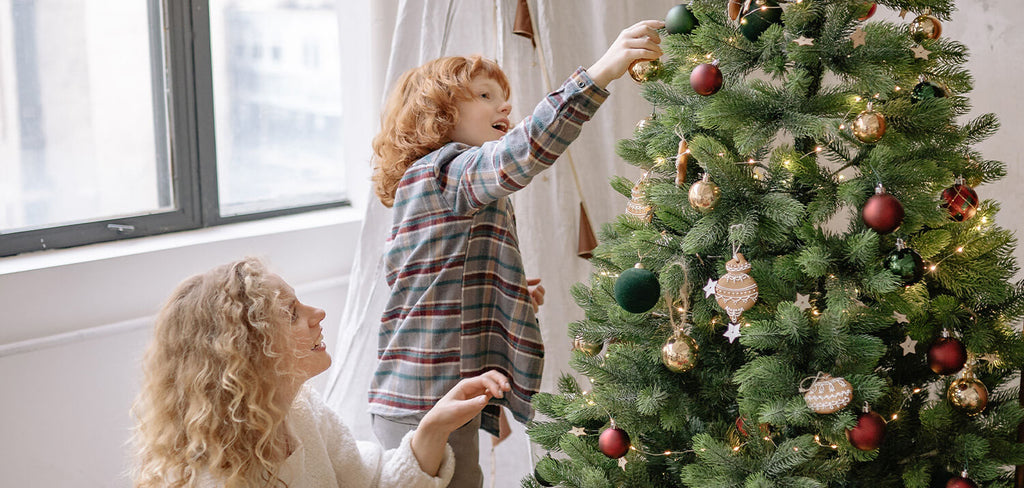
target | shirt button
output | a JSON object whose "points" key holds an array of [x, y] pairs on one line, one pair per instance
{"points": [[580, 84]]}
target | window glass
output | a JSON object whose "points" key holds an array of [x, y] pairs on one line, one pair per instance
{"points": [[83, 115], [277, 103]]}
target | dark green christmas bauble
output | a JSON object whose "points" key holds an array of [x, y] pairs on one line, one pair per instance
{"points": [[759, 18], [679, 20], [926, 90], [907, 264], [637, 290]]}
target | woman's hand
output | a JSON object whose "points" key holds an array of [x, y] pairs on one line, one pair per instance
{"points": [[639, 41], [463, 402]]}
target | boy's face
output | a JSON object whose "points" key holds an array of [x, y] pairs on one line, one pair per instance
{"points": [[484, 117]]}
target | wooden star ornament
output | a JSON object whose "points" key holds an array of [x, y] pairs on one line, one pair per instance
{"points": [[859, 37], [920, 52], [802, 301], [578, 431], [909, 346], [804, 41], [900, 318]]}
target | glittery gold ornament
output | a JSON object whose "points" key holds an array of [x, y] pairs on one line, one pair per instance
{"points": [[869, 126], [704, 194], [636, 206], [736, 291], [679, 354], [682, 158], [828, 394], [644, 123], [642, 70], [588, 348], [925, 27], [968, 394]]}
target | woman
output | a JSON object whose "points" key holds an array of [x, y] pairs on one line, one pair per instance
{"points": [[223, 401]]}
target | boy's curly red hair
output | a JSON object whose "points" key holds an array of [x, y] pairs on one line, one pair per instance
{"points": [[420, 114]]}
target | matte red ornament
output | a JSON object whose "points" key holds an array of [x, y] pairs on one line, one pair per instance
{"points": [[947, 355], [960, 200], [882, 212], [871, 11], [614, 442], [869, 432], [706, 79]]}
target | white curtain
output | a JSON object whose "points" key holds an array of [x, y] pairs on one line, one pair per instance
{"points": [[568, 33]]}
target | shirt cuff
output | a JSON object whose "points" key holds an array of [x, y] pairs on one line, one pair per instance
{"points": [[586, 84]]}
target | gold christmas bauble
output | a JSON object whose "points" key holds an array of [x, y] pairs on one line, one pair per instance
{"points": [[642, 70], [588, 348], [636, 205], [828, 394], [644, 123], [679, 354], [736, 291], [704, 194], [925, 27], [968, 394], [869, 126]]}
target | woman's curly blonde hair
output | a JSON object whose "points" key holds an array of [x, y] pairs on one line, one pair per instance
{"points": [[420, 114], [211, 373]]}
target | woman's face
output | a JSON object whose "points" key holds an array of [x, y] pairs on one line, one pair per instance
{"points": [[309, 356]]}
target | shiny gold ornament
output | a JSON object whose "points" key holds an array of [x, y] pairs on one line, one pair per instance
{"points": [[736, 291], [636, 206], [679, 354], [869, 126], [828, 394], [642, 70], [644, 123], [704, 194], [588, 348], [968, 394], [682, 158], [925, 27]]}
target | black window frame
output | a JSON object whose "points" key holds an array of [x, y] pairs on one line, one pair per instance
{"points": [[190, 139]]}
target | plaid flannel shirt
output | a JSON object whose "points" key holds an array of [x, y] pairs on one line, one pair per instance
{"points": [[459, 303]]}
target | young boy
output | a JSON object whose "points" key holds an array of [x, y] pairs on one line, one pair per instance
{"points": [[447, 158]]}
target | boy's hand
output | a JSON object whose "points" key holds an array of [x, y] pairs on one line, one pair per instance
{"points": [[639, 41], [536, 293]]}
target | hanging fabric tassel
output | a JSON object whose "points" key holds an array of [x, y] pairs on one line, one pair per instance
{"points": [[523, 25], [587, 240]]}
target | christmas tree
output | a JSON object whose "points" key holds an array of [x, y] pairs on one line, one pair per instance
{"points": [[805, 289]]}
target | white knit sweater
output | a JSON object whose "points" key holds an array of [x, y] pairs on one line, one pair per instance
{"points": [[327, 455]]}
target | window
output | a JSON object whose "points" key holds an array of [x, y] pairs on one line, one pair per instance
{"points": [[126, 118]]}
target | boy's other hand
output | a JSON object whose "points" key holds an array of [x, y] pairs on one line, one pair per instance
{"points": [[536, 293], [639, 41]]}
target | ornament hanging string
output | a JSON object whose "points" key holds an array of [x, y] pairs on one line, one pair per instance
{"points": [[814, 379], [733, 230]]}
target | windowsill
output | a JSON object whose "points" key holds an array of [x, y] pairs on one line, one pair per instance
{"points": [[128, 247]]}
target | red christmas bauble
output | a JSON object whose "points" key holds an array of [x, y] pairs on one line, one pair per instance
{"points": [[961, 482], [883, 213], [961, 202], [868, 433], [947, 355], [706, 79], [871, 11], [614, 442]]}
